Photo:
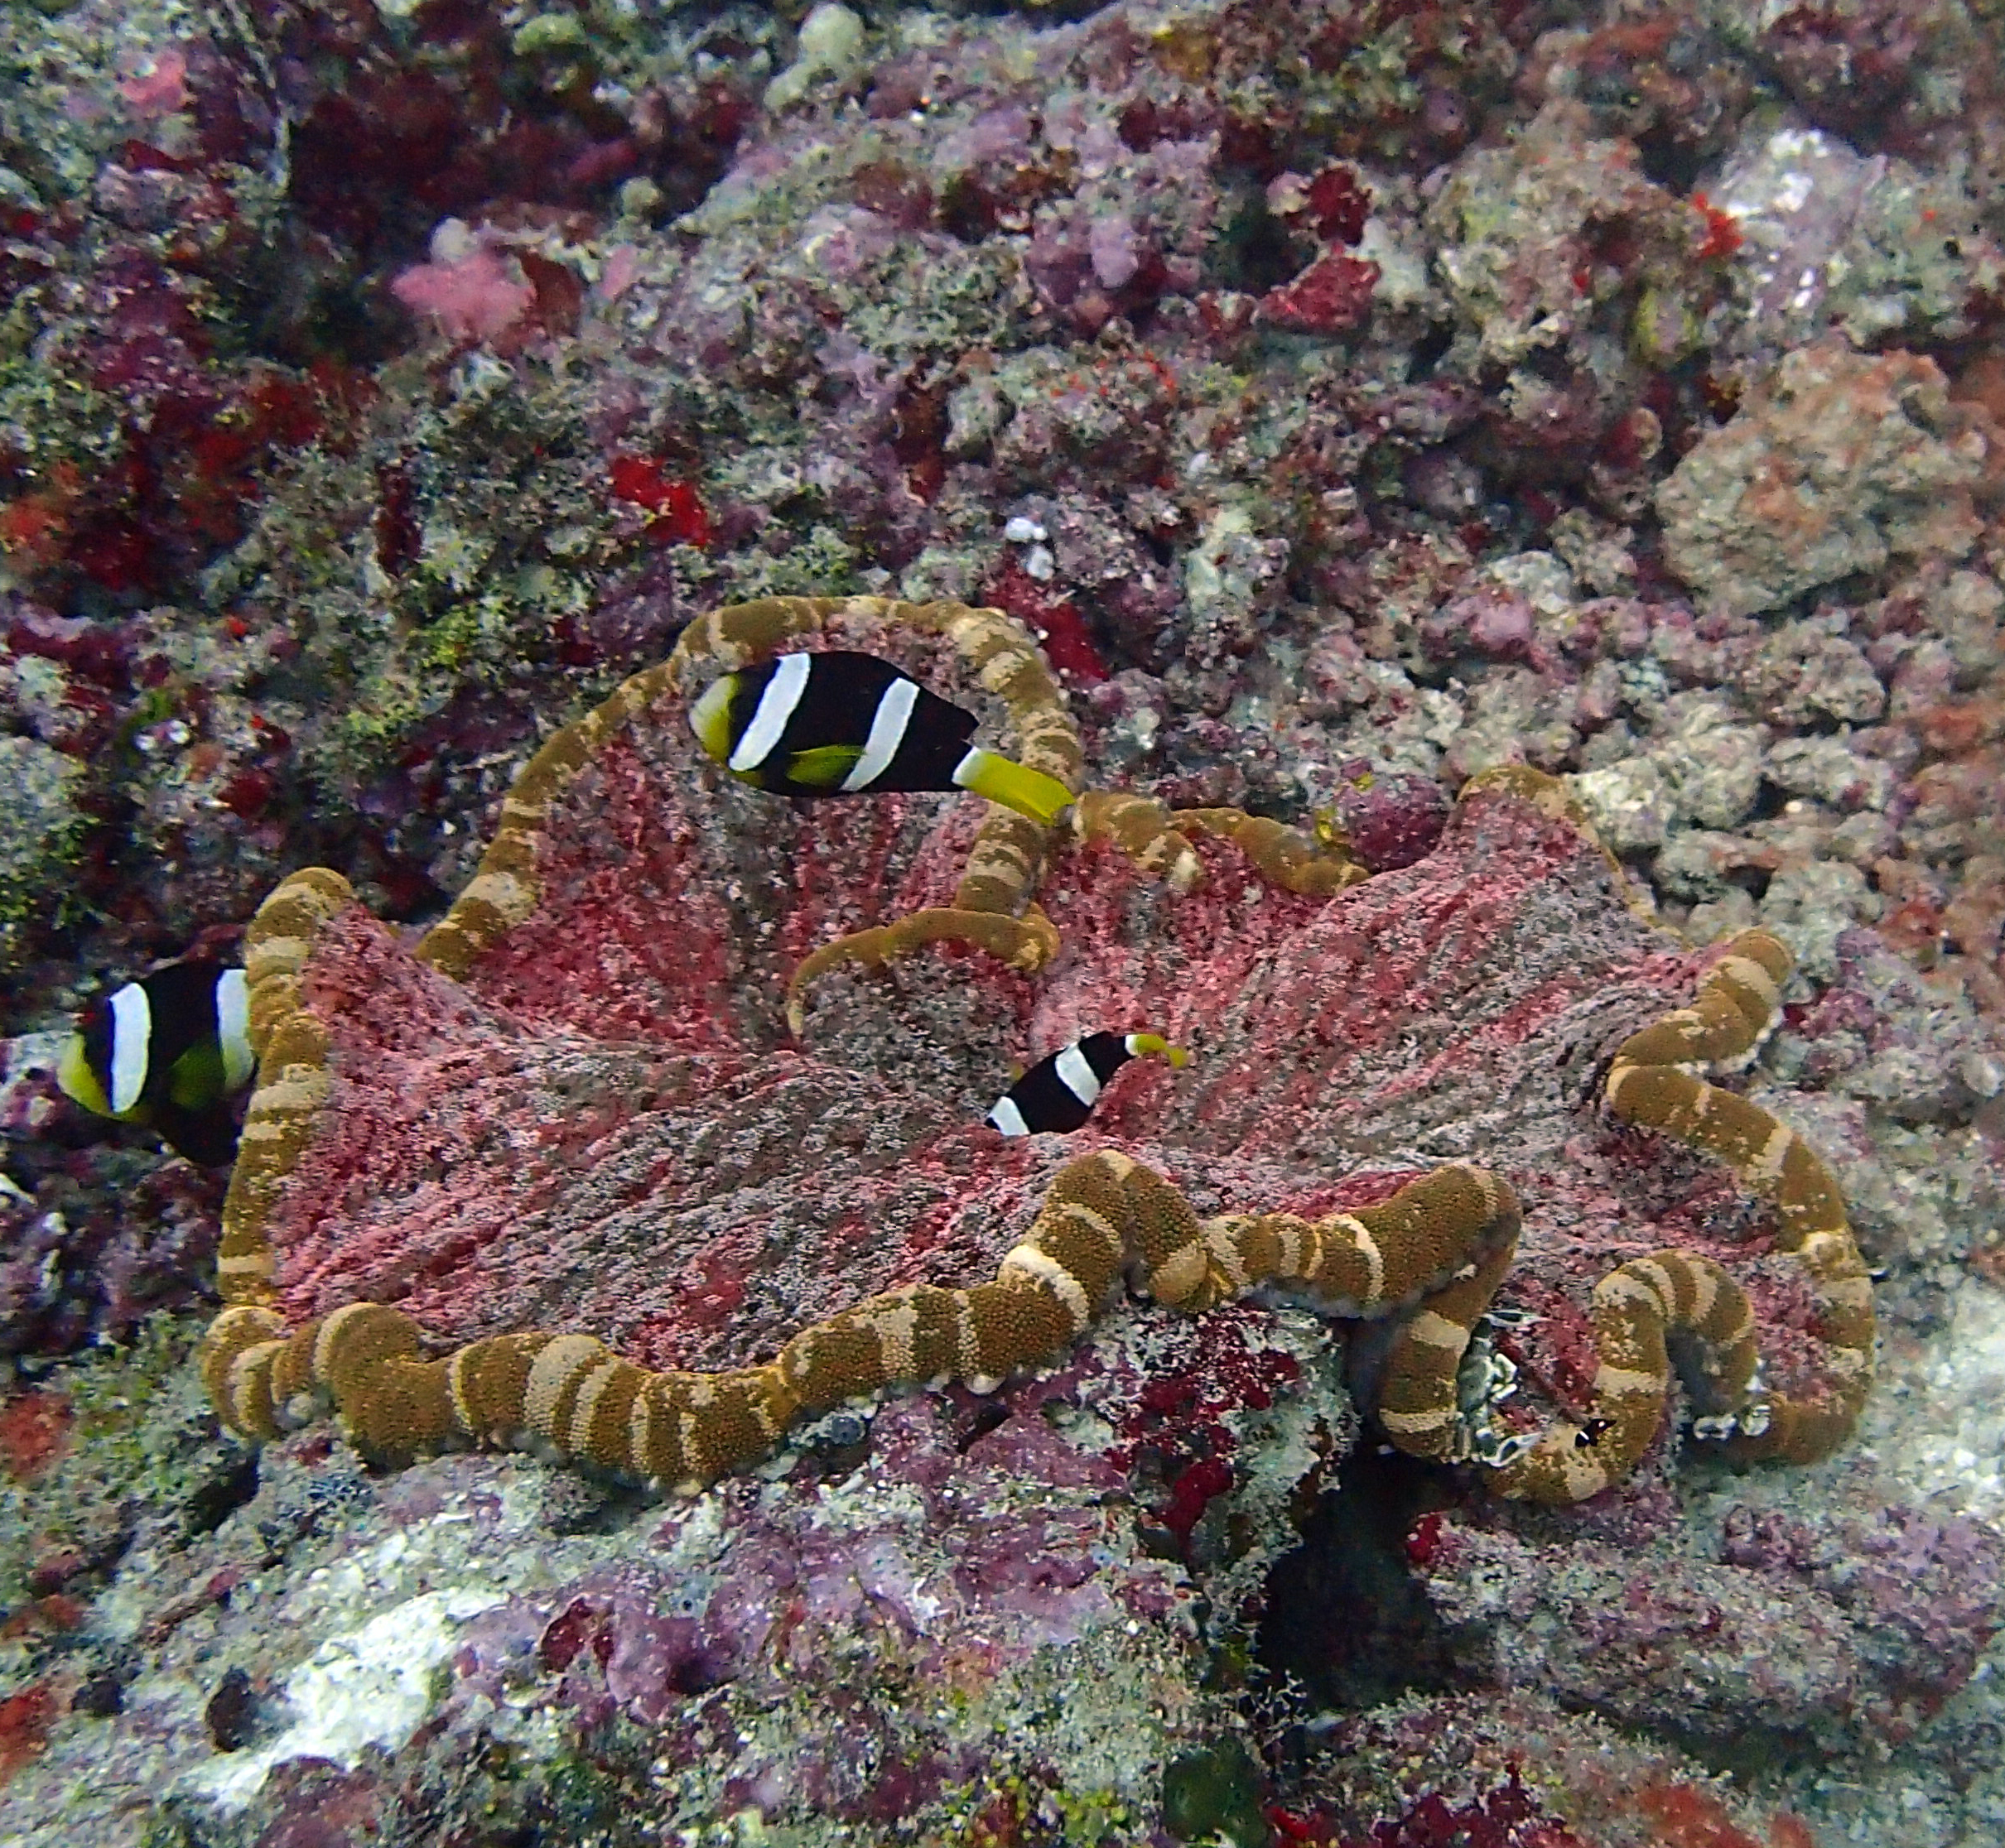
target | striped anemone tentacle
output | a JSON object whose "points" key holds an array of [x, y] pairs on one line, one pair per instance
{"points": [[1678, 1303], [1105, 1216]]}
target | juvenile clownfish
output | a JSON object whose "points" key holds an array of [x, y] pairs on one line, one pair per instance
{"points": [[166, 1051], [849, 725], [1058, 1094]]}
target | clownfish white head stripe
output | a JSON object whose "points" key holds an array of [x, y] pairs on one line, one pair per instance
{"points": [[132, 1031], [775, 710], [1058, 1094]]}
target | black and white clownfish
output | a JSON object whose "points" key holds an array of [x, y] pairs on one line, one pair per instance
{"points": [[849, 725], [1058, 1094], [167, 1051]]}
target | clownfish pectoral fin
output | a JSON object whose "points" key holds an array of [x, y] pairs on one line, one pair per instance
{"points": [[823, 768], [195, 1080], [1015, 786]]}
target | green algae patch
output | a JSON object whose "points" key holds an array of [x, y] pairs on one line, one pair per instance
{"points": [[1212, 1791], [141, 1441]]}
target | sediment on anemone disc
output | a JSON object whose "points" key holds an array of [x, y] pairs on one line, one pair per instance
{"points": [[474, 1173]]}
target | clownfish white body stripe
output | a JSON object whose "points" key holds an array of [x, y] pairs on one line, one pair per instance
{"points": [[888, 725]]}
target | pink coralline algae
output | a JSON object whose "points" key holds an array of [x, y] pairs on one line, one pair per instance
{"points": [[1519, 1771], [1389, 818], [1331, 295], [467, 287], [1853, 1628]]}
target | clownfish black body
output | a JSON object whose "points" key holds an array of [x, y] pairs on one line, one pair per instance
{"points": [[167, 1051], [840, 724], [1058, 1094]]}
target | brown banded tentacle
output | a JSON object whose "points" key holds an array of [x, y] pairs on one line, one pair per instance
{"points": [[291, 1047], [1419, 1403], [737, 635], [1010, 665], [1105, 1215], [1143, 829], [1291, 858], [239, 1351], [1646, 1086], [1679, 1308], [368, 1360], [1439, 1247], [1644, 1313], [1157, 839], [503, 891], [1005, 864], [1025, 944], [691, 1428]]}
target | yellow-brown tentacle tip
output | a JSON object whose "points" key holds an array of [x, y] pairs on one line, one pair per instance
{"points": [[1143, 829], [1546, 792], [1025, 944], [1292, 859], [238, 1353], [298, 906]]}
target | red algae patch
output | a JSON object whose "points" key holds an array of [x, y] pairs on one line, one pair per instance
{"points": [[35, 1429]]}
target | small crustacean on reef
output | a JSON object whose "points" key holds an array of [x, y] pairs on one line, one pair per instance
{"points": [[604, 1165]]}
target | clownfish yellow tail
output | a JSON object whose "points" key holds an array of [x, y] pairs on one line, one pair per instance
{"points": [[1029, 792]]}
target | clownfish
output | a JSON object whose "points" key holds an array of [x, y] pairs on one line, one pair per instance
{"points": [[850, 725], [1058, 1094], [167, 1051]]}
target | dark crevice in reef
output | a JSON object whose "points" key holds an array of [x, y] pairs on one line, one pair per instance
{"points": [[216, 1499], [1345, 1619]]}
